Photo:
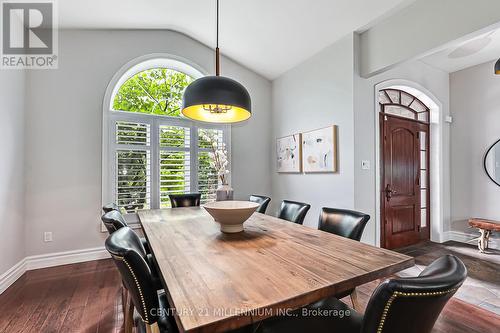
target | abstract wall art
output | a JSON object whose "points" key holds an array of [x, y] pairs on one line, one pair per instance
{"points": [[319, 148], [288, 153]]}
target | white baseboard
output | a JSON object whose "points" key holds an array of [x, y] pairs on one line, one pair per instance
{"points": [[11, 276], [463, 237], [65, 258], [49, 260]]}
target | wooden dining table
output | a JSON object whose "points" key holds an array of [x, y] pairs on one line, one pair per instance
{"points": [[217, 282]]}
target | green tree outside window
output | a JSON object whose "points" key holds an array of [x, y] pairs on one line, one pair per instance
{"points": [[155, 91]]}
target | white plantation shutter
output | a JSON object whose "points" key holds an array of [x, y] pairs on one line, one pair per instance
{"points": [[132, 133], [133, 180], [151, 157], [133, 166], [175, 162], [208, 180]]}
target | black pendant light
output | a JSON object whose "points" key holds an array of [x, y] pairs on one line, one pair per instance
{"points": [[497, 67], [216, 99]]}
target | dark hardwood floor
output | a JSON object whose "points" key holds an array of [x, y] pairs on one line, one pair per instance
{"points": [[86, 298], [72, 298]]}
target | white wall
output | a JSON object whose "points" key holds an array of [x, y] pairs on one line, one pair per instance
{"points": [[316, 93], [64, 122], [434, 80], [12, 95], [423, 26], [474, 95], [327, 89]]}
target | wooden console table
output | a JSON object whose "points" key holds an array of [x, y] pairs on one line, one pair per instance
{"points": [[485, 227]]}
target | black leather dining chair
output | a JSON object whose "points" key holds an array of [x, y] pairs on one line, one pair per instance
{"points": [[262, 200], [110, 207], [293, 211], [185, 200], [114, 220], [345, 223], [131, 259], [410, 305], [155, 313]]}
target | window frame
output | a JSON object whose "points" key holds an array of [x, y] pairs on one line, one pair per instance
{"points": [[111, 116]]}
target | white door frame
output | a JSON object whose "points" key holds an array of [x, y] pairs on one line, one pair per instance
{"points": [[436, 155]]}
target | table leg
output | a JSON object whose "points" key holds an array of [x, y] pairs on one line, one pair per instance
{"points": [[129, 315], [124, 299], [354, 300], [481, 241], [487, 238], [153, 328]]}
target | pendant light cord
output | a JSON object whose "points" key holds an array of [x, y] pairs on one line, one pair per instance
{"points": [[217, 18], [217, 55]]}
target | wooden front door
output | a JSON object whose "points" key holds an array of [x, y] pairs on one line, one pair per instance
{"points": [[400, 190]]}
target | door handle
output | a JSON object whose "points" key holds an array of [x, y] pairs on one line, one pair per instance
{"points": [[389, 192]]}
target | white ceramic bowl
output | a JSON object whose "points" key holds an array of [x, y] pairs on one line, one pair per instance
{"points": [[231, 214]]}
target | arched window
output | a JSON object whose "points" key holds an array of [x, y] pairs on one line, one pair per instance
{"points": [[152, 150], [400, 103]]}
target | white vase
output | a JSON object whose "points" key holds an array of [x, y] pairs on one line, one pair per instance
{"points": [[224, 193]]}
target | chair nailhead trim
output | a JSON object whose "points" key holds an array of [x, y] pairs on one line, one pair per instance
{"points": [[403, 294], [138, 287]]}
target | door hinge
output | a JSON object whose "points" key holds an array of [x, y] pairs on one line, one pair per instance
{"points": [[385, 221], [418, 228]]}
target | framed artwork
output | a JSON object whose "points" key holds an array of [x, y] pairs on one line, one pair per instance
{"points": [[319, 149], [288, 153]]}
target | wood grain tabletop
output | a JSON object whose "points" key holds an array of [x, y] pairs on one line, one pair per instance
{"points": [[218, 281]]}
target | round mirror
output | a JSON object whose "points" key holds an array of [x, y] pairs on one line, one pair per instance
{"points": [[492, 162]]}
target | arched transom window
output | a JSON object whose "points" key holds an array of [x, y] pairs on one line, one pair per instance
{"points": [[400, 103], [152, 149]]}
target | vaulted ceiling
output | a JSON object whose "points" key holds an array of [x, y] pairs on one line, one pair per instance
{"points": [[267, 36]]}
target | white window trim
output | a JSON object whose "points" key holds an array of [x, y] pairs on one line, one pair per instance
{"points": [[110, 117]]}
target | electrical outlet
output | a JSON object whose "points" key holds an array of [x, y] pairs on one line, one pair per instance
{"points": [[365, 165], [47, 236]]}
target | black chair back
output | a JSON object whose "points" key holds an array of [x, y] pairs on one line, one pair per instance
{"points": [[113, 221], [185, 200], [130, 257], [110, 207], [343, 222], [263, 201], [412, 305], [293, 211]]}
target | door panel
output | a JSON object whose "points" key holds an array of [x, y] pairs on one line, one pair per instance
{"points": [[403, 219], [401, 190], [402, 144]]}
